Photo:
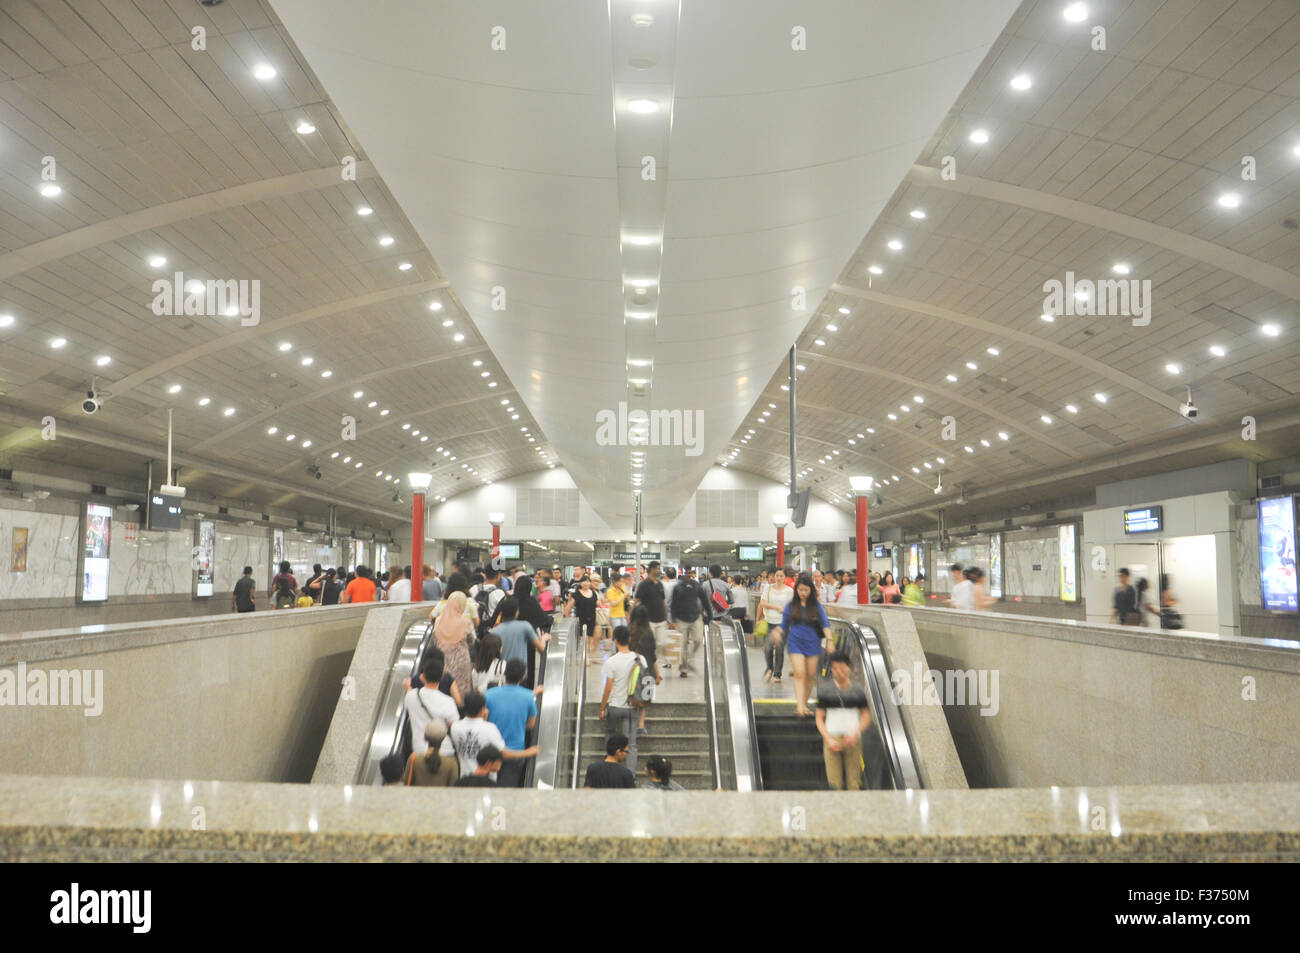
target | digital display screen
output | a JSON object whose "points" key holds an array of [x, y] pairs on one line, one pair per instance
{"points": [[880, 552], [97, 537], [1145, 520], [749, 554], [164, 512], [509, 550], [1065, 548], [1277, 569], [203, 558], [995, 565]]}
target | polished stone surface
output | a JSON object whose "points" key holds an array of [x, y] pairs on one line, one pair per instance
{"points": [[52, 818]]}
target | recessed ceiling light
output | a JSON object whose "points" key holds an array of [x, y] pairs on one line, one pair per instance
{"points": [[1272, 330], [1173, 369], [385, 412], [1217, 351], [916, 469], [819, 342], [404, 266], [486, 374], [174, 389], [876, 270], [291, 437], [1002, 435], [1048, 318], [1081, 294], [436, 306], [1120, 268], [969, 449], [334, 455], [642, 19], [195, 287], [273, 430], [347, 459], [386, 240], [57, 343], [904, 408], [492, 383], [458, 338], [927, 465], [871, 430], [979, 137], [204, 401], [365, 210], [1230, 200], [894, 245], [1044, 418], [643, 106], [1021, 81], [1071, 408], [972, 365], [229, 412], [640, 238], [844, 310], [49, 190], [157, 261], [326, 373], [103, 360], [415, 433], [918, 399], [307, 361], [986, 443], [951, 378], [800, 367], [892, 416], [994, 351], [1075, 12], [285, 345], [917, 213], [1100, 398], [832, 328], [478, 363], [305, 128], [357, 465], [424, 439], [373, 404], [264, 71]]}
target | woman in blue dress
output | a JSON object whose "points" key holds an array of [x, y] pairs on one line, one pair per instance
{"points": [[804, 622]]}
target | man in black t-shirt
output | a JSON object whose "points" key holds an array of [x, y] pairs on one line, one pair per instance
{"points": [[611, 773], [330, 588], [1124, 607], [650, 593], [241, 600]]}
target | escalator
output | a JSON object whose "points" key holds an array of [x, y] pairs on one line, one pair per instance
{"points": [[789, 748]]}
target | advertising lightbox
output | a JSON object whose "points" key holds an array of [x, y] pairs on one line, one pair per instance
{"points": [[96, 541], [1277, 569]]}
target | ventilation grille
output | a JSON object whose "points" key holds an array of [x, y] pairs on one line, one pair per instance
{"points": [[718, 508], [546, 506], [1270, 482]]}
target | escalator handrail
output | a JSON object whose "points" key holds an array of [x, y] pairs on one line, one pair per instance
{"points": [[716, 761], [893, 729], [369, 772], [581, 713], [747, 705], [400, 734], [545, 768]]}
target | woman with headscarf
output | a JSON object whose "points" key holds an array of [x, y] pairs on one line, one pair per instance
{"points": [[530, 611], [451, 633]]}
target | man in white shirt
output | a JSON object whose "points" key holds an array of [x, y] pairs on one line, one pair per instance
{"points": [[425, 703], [400, 590], [616, 710], [491, 586], [963, 594], [670, 580]]}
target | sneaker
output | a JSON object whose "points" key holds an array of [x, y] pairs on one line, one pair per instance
{"points": [[643, 731], [683, 674]]}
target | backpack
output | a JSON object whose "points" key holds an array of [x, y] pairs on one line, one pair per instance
{"points": [[640, 684], [283, 593], [482, 599], [717, 601], [682, 609]]}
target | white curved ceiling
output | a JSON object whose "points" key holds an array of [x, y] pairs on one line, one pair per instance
{"points": [[519, 166]]}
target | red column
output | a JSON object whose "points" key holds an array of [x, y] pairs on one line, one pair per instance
{"points": [[780, 547], [496, 547], [417, 546], [864, 592]]}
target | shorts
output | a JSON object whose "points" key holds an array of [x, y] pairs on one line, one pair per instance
{"points": [[602, 617], [802, 642]]}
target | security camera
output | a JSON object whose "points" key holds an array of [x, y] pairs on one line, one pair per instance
{"points": [[1188, 409], [314, 470], [92, 402]]}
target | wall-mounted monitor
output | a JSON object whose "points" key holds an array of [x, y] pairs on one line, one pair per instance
{"points": [[799, 512], [164, 512], [510, 550], [1148, 519], [1065, 547], [749, 554], [880, 552], [96, 542], [205, 559], [1277, 569]]}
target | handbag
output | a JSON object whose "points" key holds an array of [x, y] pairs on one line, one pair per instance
{"points": [[1170, 618], [760, 627]]}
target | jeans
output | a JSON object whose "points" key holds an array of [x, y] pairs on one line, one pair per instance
{"points": [[774, 653], [692, 639], [624, 721], [511, 774]]}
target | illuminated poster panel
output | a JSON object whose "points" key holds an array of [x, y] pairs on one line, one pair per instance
{"points": [[204, 558], [1066, 544], [96, 539], [995, 565], [912, 561], [1277, 569]]}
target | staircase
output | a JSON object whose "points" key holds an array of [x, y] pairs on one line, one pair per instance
{"points": [[789, 749], [679, 732]]}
